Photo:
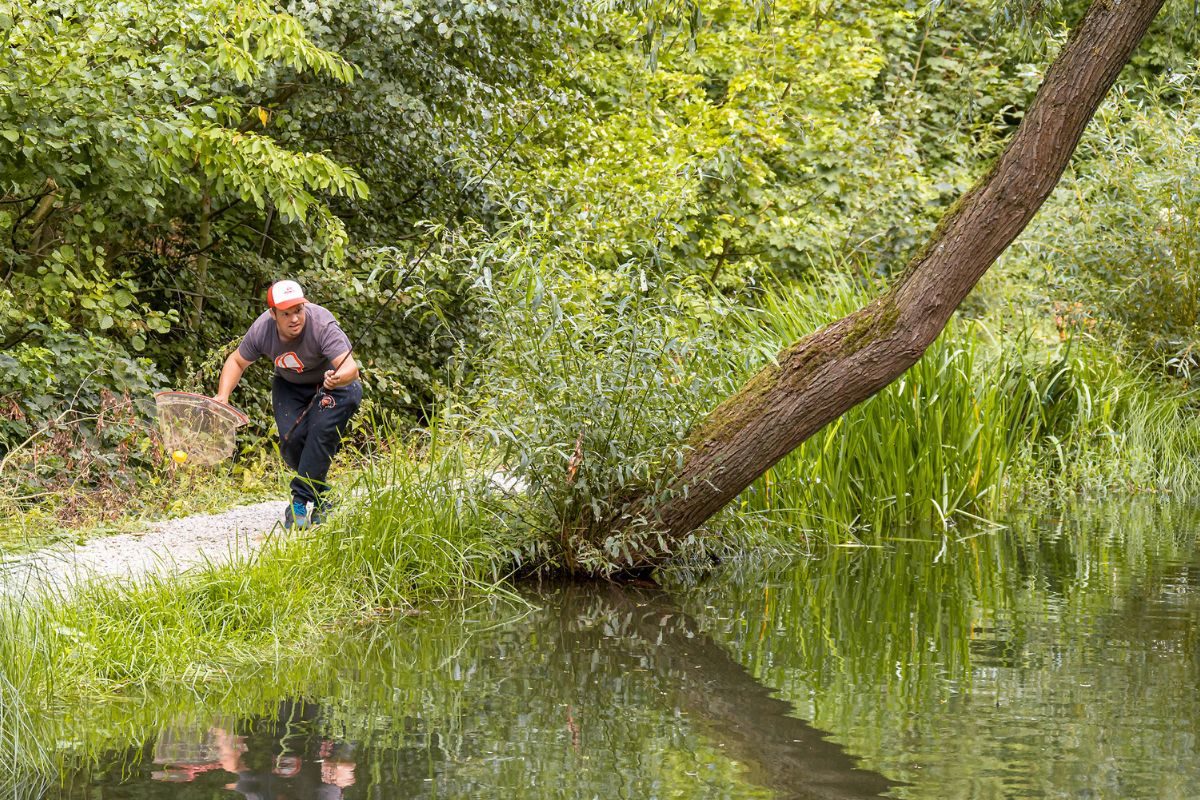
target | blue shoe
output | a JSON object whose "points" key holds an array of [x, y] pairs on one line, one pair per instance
{"points": [[296, 515]]}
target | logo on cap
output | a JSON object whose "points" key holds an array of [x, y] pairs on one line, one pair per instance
{"points": [[285, 294]]}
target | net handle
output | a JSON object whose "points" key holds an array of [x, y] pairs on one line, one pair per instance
{"points": [[241, 417]]}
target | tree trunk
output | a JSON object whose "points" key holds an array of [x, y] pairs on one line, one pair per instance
{"points": [[826, 373]]}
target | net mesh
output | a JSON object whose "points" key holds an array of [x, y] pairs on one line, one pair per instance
{"points": [[197, 429]]}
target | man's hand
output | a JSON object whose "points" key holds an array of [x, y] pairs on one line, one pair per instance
{"points": [[221, 398], [344, 373]]}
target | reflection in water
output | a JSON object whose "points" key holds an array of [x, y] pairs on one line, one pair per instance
{"points": [[1060, 657], [600, 692], [270, 759], [779, 750]]}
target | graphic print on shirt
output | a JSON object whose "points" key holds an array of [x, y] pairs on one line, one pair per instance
{"points": [[290, 361]]}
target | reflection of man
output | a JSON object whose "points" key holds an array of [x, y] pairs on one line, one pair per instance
{"points": [[290, 776], [337, 767], [185, 754], [314, 393], [337, 773]]}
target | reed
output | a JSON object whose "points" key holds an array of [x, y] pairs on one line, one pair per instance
{"points": [[976, 425], [932, 447], [420, 522], [1096, 426]]}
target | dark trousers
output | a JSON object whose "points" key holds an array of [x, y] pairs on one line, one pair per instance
{"points": [[310, 447]]}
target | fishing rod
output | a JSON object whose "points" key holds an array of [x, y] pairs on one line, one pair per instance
{"points": [[414, 264]]}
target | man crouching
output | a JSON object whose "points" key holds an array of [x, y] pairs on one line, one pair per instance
{"points": [[314, 393]]}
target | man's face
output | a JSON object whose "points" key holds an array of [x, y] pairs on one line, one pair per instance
{"points": [[290, 321]]}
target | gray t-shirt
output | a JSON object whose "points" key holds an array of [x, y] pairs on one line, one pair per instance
{"points": [[303, 359]]}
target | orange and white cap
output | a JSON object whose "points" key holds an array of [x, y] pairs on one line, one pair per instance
{"points": [[285, 294]]}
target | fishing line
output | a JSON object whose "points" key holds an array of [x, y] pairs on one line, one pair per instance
{"points": [[463, 194]]}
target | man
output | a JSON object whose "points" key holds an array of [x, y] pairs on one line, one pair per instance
{"points": [[314, 393]]}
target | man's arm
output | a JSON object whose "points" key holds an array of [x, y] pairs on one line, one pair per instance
{"points": [[345, 371], [231, 373]]}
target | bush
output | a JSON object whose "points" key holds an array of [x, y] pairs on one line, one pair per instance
{"points": [[1118, 245], [87, 425], [586, 384]]}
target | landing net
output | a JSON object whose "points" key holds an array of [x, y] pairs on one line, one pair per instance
{"points": [[197, 429]]}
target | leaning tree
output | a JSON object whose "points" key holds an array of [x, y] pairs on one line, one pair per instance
{"points": [[820, 377]]}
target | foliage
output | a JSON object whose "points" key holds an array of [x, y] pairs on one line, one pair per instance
{"points": [[762, 147], [1097, 425], [442, 86], [122, 124], [1119, 243], [97, 439], [168, 162], [587, 385], [160, 131], [442, 83]]}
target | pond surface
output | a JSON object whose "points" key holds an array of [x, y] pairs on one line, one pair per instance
{"points": [[1059, 657]]}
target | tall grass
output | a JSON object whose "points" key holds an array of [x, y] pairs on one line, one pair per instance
{"points": [[976, 424], [417, 527], [932, 446], [25, 756]]}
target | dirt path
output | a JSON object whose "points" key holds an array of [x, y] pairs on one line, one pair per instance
{"points": [[164, 548]]}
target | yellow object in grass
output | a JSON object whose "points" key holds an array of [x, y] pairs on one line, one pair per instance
{"points": [[179, 456]]}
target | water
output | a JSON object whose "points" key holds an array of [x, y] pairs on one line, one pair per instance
{"points": [[1057, 658]]}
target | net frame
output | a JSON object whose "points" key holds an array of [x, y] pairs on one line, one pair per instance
{"points": [[202, 428]]}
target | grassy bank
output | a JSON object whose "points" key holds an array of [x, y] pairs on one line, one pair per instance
{"points": [[425, 533]]}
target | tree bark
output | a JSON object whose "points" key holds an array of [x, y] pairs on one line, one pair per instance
{"points": [[833, 369]]}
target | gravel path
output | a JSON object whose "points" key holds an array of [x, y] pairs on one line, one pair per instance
{"points": [[165, 548]]}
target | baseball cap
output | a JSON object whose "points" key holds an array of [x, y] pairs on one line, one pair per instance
{"points": [[285, 294]]}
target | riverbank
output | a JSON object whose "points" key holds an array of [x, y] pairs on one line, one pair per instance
{"points": [[932, 660]]}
